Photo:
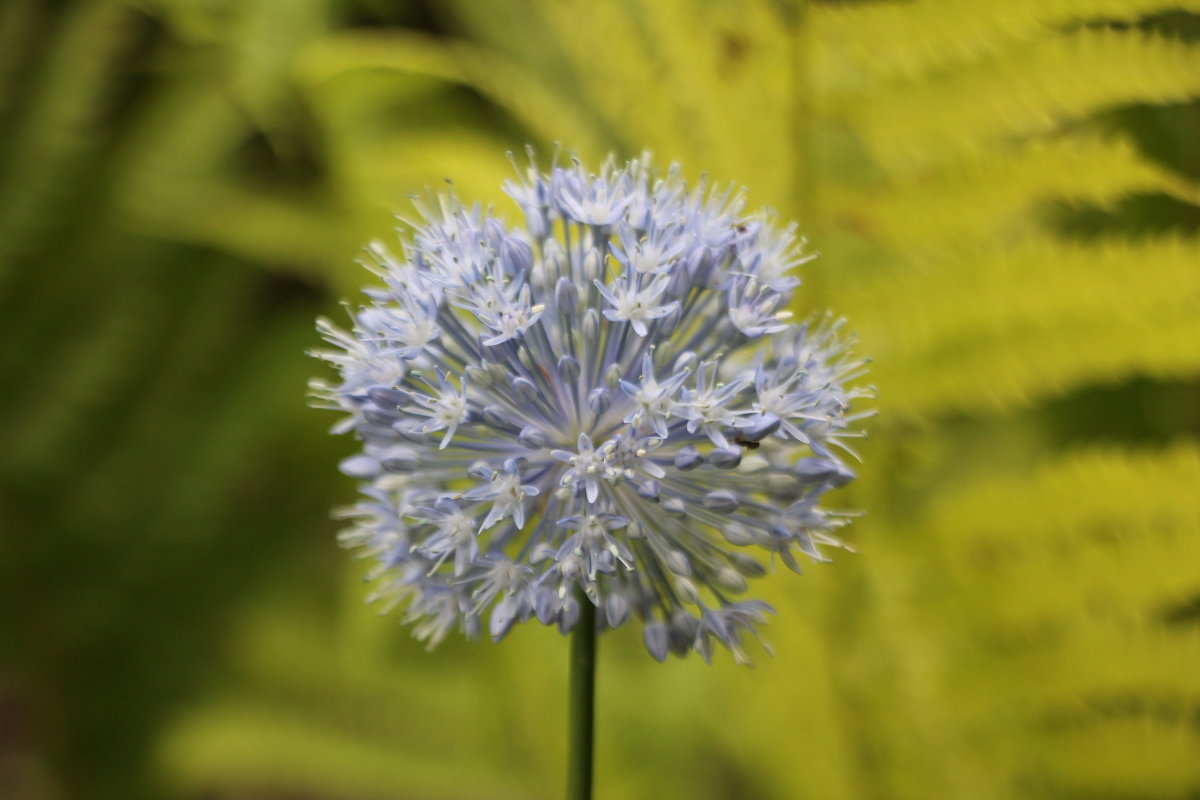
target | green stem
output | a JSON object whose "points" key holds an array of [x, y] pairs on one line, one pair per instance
{"points": [[581, 726]]}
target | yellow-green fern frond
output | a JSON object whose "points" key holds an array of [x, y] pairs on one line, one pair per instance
{"points": [[1062, 584], [1101, 533], [540, 108], [995, 198], [859, 43], [1027, 90], [331, 720], [703, 89], [47, 143], [1011, 326]]}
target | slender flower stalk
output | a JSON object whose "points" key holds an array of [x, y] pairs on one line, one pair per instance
{"points": [[606, 415], [581, 713]]}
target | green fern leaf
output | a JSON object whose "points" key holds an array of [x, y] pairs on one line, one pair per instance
{"points": [[1028, 90], [1059, 584], [541, 109], [1009, 327], [45, 149], [702, 89], [1076, 519], [981, 200], [242, 744], [859, 44]]}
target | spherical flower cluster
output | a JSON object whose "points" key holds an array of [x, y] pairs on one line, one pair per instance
{"points": [[611, 405]]}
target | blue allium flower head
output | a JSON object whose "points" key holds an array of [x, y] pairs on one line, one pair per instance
{"points": [[612, 398]]}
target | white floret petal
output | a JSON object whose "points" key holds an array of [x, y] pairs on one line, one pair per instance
{"points": [[611, 403]]}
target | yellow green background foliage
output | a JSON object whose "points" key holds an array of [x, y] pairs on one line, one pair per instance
{"points": [[1005, 195]]}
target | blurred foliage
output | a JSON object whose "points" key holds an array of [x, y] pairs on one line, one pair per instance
{"points": [[1008, 199]]}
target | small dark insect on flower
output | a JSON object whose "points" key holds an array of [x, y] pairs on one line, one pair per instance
{"points": [[748, 444]]}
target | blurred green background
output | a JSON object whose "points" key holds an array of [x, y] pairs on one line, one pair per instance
{"points": [[1007, 199]]}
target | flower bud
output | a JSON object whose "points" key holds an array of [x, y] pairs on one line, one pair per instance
{"points": [[516, 256], [532, 437], [592, 264], [525, 389], [566, 296], [598, 400], [616, 610], [725, 457], [688, 458], [568, 369], [591, 327], [612, 375], [657, 639], [678, 563], [721, 501], [536, 223]]}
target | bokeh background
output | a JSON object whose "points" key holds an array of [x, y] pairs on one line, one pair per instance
{"points": [[1006, 198]]}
